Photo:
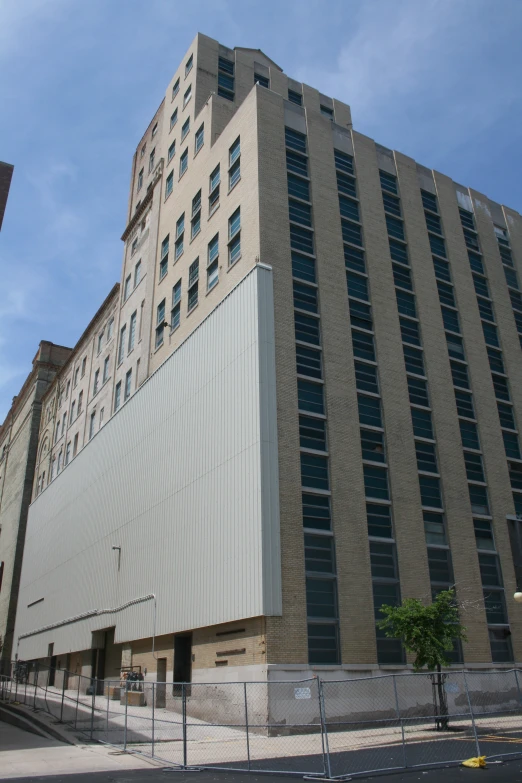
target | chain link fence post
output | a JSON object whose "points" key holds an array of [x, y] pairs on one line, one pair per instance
{"points": [[184, 718], [63, 695], [518, 686], [94, 685], [108, 686], [126, 711], [246, 724], [399, 718], [77, 701], [153, 715], [471, 714], [35, 685], [324, 730]]}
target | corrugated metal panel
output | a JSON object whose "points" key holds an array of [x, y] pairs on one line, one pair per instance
{"points": [[184, 479]]}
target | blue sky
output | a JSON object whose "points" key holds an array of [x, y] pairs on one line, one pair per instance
{"points": [[80, 80]]}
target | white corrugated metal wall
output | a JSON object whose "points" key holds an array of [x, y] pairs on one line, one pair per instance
{"points": [[184, 479]]}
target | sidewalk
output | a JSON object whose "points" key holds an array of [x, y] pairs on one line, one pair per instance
{"points": [[162, 732], [23, 754]]}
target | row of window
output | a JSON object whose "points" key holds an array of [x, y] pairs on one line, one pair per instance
{"points": [[321, 580], [131, 282], [226, 79], [79, 371], [500, 651], [383, 555], [199, 139], [151, 156], [65, 454], [438, 551], [494, 599], [173, 120], [127, 390], [511, 276], [455, 346], [226, 86], [498, 374], [234, 175], [212, 266]]}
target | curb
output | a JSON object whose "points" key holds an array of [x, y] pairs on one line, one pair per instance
{"points": [[27, 720]]}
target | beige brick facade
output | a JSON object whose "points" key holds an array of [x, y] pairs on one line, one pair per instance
{"points": [[206, 110], [79, 401]]}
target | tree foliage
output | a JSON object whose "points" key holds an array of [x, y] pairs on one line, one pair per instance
{"points": [[427, 631]]}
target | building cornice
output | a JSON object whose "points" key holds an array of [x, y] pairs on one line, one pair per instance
{"points": [[133, 222]]}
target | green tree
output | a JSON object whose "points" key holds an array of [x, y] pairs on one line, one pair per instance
{"points": [[429, 632]]}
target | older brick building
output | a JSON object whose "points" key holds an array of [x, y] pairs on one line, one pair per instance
{"points": [[380, 410], [18, 455]]}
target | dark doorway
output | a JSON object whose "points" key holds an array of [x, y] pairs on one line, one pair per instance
{"points": [[182, 661], [52, 665], [52, 671], [161, 679], [98, 669]]}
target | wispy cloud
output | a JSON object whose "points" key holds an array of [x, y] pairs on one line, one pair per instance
{"points": [[410, 67], [18, 20]]}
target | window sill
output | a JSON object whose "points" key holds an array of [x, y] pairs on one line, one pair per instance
{"points": [[211, 214], [213, 287], [198, 232], [182, 175], [317, 491], [174, 330], [160, 281], [98, 391], [187, 103], [234, 186], [176, 259], [192, 309], [159, 347], [135, 287], [168, 196], [232, 265]]}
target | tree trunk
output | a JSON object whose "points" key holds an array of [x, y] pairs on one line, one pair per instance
{"points": [[442, 721]]}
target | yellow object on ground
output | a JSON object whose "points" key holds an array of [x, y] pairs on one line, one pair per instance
{"points": [[477, 761]]}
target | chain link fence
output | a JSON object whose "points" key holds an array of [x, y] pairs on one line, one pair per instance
{"points": [[317, 727]]}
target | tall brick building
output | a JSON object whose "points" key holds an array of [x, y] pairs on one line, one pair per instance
{"points": [[18, 457], [330, 388]]}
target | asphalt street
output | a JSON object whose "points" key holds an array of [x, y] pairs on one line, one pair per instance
{"points": [[507, 772], [26, 757]]}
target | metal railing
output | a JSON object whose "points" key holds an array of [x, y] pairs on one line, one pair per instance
{"points": [[318, 727]]}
